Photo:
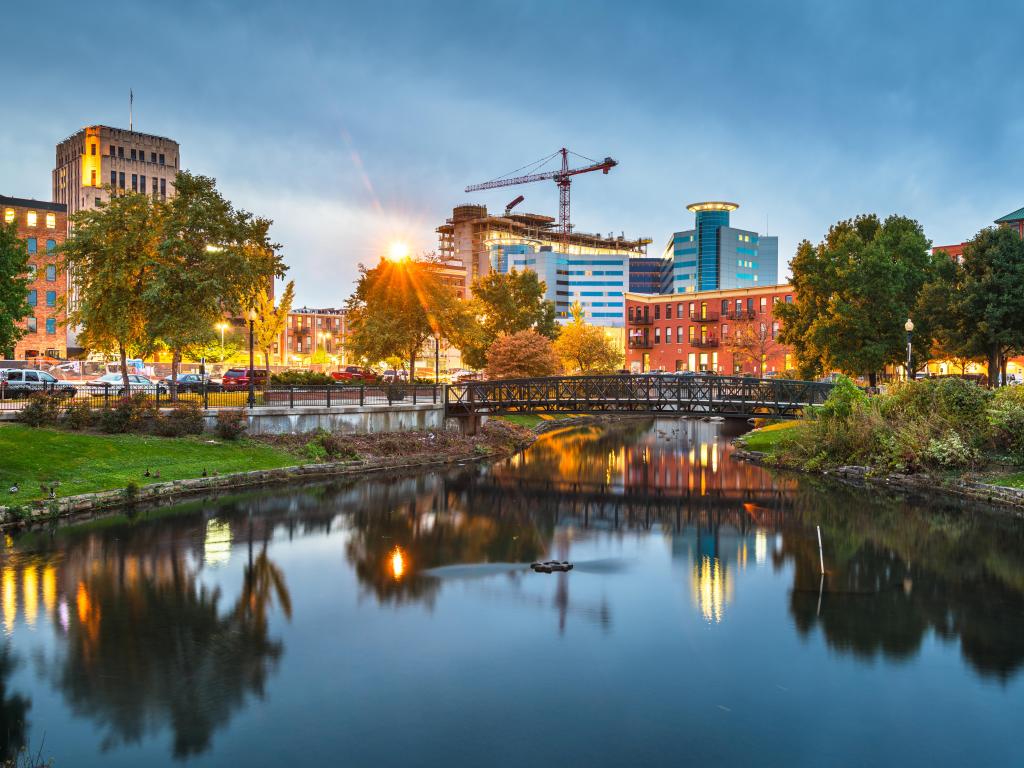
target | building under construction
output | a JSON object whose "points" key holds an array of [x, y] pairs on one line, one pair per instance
{"points": [[587, 268]]}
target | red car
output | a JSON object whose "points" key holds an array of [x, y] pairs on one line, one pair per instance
{"points": [[237, 379], [354, 373]]}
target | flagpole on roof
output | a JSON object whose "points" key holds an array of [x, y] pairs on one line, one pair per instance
{"points": [[131, 109]]}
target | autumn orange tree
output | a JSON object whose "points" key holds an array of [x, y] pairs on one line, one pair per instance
{"points": [[525, 354]]}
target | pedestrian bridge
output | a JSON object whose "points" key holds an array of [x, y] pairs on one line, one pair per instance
{"points": [[674, 393]]}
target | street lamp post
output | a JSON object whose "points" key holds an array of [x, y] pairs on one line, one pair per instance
{"points": [[437, 360], [252, 374], [223, 327], [909, 328]]}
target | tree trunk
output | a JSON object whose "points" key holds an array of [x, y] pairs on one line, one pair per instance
{"points": [[266, 361], [412, 364], [873, 379], [175, 364], [993, 367], [123, 355], [1002, 368]]}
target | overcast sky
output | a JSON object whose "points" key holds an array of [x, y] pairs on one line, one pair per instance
{"points": [[354, 124]]}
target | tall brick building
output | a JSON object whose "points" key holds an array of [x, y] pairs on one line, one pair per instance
{"points": [[43, 227], [732, 332]]}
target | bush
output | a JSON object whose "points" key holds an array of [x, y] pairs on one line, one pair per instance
{"points": [[79, 416], [1005, 417], [841, 402], [300, 379], [137, 413], [41, 410], [185, 418], [326, 445], [231, 423], [951, 451]]}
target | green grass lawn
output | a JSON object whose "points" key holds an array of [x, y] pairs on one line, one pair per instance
{"points": [[1015, 480], [84, 463], [767, 438]]}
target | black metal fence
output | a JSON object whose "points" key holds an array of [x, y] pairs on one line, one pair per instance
{"points": [[324, 396]]}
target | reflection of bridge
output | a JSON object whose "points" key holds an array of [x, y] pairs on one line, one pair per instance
{"points": [[599, 504], [698, 394]]}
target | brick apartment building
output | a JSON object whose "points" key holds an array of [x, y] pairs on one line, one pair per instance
{"points": [[307, 329], [731, 332], [43, 226]]}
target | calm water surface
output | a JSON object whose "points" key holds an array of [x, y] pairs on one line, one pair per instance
{"points": [[392, 623]]}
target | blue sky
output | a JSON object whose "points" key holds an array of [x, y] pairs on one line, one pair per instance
{"points": [[353, 124]]}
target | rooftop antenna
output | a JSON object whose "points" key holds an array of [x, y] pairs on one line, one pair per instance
{"points": [[131, 109]]}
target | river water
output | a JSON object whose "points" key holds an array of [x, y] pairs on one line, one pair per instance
{"points": [[392, 621]]}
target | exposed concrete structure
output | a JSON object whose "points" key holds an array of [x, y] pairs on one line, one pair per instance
{"points": [[352, 419]]}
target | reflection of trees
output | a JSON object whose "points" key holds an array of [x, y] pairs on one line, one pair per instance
{"points": [[13, 709], [155, 650], [899, 568], [428, 539]]}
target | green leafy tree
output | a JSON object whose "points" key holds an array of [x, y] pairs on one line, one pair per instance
{"points": [[503, 303], [213, 260], [525, 354], [855, 291], [977, 307], [271, 319], [13, 287], [396, 307], [112, 255], [585, 348]]}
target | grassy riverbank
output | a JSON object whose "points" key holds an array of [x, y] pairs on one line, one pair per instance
{"points": [[948, 429], [86, 463], [35, 458]]}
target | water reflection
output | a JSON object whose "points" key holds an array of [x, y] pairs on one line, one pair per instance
{"points": [[178, 623]]}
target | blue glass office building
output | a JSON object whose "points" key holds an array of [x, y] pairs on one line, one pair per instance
{"points": [[715, 256], [596, 280]]}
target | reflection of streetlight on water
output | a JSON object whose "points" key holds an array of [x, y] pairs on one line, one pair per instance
{"points": [[397, 563]]}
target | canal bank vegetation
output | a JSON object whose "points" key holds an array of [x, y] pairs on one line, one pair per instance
{"points": [[944, 426], [46, 464]]}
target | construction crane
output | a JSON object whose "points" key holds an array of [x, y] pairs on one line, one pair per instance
{"points": [[562, 177]]}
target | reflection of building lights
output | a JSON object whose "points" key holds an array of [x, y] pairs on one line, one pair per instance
{"points": [[217, 543], [712, 588], [62, 614], [82, 603], [30, 594], [760, 547], [10, 595], [397, 564]]}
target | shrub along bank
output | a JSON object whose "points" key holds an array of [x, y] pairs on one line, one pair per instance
{"points": [[929, 425]]}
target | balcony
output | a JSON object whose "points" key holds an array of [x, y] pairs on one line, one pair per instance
{"points": [[707, 317], [705, 343], [641, 320], [640, 343], [740, 314]]}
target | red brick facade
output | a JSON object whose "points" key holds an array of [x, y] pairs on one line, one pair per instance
{"points": [[43, 226], [728, 332]]}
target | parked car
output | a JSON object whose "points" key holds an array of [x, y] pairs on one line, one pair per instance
{"points": [[392, 376], [194, 382], [139, 384], [16, 382], [354, 373], [237, 379]]}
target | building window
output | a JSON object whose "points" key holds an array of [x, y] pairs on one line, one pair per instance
{"points": [[142, 184], [775, 329], [51, 326], [30, 324], [163, 187], [51, 298], [152, 157], [725, 330], [668, 335], [155, 188], [764, 304], [789, 299], [692, 332], [8, 215], [135, 182], [32, 271], [657, 311], [120, 178], [133, 155], [51, 221], [92, 182], [161, 158], [113, 178], [30, 218], [33, 297], [120, 152], [51, 245], [668, 314], [92, 149], [51, 273], [657, 335], [630, 313], [112, 150], [32, 244]]}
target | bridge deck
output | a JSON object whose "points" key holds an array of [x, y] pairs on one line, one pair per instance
{"points": [[727, 396]]}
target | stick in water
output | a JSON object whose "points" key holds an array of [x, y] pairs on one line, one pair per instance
{"points": [[821, 555]]}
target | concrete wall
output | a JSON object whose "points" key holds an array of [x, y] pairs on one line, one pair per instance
{"points": [[353, 419]]}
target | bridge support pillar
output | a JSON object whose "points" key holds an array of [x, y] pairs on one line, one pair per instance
{"points": [[469, 423]]}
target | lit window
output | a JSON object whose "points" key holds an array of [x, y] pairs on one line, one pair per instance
{"points": [[8, 215], [30, 218], [51, 221]]}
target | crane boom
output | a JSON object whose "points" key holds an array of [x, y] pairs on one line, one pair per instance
{"points": [[562, 177]]}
